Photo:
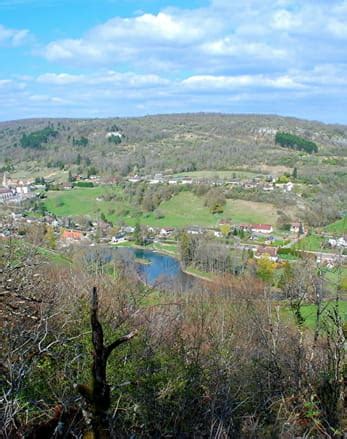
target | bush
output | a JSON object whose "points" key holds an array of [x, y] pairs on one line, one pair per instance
{"points": [[84, 184]]}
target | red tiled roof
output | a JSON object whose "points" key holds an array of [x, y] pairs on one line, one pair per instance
{"points": [[72, 234], [261, 226]]}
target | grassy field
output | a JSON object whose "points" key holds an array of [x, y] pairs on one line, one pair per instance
{"points": [[311, 243], [339, 227], [309, 312], [85, 201], [241, 211], [182, 210]]}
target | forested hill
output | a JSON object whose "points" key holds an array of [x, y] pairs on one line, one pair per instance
{"points": [[176, 143]]}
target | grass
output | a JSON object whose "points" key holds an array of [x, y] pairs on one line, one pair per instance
{"points": [[85, 201], [184, 209], [338, 227], [54, 256], [241, 211], [309, 312], [198, 273], [312, 243], [336, 277]]}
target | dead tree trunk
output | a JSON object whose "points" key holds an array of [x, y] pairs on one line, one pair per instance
{"points": [[98, 395]]}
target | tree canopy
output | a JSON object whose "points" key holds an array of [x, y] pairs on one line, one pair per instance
{"points": [[288, 140], [37, 138]]}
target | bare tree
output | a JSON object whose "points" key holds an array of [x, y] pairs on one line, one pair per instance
{"points": [[98, 395]]}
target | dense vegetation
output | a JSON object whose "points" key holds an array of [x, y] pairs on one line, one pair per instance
{"points": [[295, 142], [38, 138], [221, 361]]}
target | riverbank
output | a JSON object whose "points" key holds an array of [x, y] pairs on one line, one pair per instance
{"points": [[191, 271], [203, 275]]}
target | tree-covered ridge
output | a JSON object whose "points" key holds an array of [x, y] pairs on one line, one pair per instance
{"points": [[288, 140], [37, 138]]}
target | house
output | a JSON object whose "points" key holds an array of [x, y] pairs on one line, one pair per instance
{"points": [[327, 259], [296, 227], [245, 227], [67, 186], [225, 222], [187, 181], [111, 134], [5, 195], [339, 242], [166, 231], [269, 252], [119, 237], [261, 228], [286, 187], [268, 187], [135, 179], [195, 230], [128, 229], [22, 189], [72, 235]]}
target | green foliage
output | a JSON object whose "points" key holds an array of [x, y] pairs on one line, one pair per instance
{"points": [[82, 141], [92, 171], [215, 200], [138, 237], [265, 269], [84, 184], [283, 179], [288, 140], [36, 139], [115, 139]]}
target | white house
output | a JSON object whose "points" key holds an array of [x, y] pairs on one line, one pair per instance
{"points": [[295, 227], [261, 228]]}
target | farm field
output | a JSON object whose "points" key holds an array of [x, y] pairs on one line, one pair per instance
{"points": [[184, 209]]}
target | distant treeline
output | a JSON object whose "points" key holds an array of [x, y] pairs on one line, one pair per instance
{"points": [[292, 141], [37, 138]]}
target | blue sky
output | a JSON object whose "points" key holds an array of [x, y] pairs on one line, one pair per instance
{"points": [[99, 58]]}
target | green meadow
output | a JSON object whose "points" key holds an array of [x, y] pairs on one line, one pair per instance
{"points": [[338, 227], [182, 210]]}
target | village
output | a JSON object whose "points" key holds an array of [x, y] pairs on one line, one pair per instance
{"points": [[261, 240]]}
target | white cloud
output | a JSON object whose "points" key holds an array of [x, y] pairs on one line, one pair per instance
{"points": [[236, 52], [128, 79], [126, 38], [235, 82], [5, 82], [13, 37], [285, 20], [59, 78], [229, 46]]}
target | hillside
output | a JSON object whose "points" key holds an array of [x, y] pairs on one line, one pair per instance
{"points": [[179, 143]]}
